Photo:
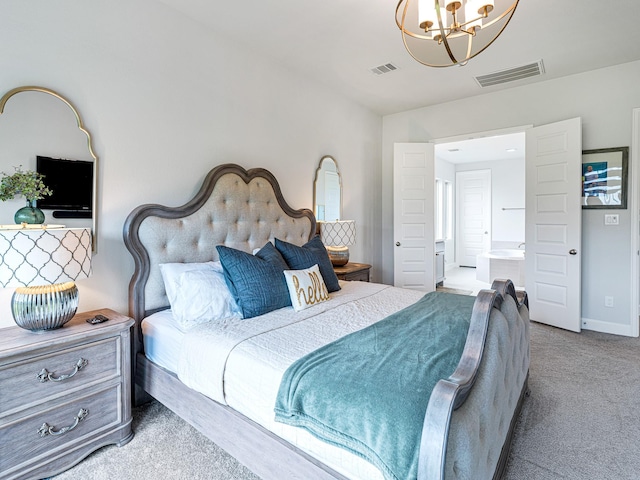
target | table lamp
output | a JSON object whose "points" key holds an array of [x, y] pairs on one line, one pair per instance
{"points": [[43, 262], [337, 236]]}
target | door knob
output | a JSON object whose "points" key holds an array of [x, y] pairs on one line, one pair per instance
{"points": [[397, 244], [573, 251]]}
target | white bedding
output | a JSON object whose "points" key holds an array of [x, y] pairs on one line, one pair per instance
{"points": [[241, 362], [162, 340]]}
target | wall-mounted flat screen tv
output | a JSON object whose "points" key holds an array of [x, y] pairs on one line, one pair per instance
{"points": [[71, 182]]}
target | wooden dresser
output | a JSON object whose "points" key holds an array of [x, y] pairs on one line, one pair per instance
{"points": [[63, 394]]}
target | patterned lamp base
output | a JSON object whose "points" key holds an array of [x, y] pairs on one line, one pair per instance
{"points": [[339, 256], [44, 307]]}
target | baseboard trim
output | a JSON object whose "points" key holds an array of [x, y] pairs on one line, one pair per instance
{"points": [[607, 327]]}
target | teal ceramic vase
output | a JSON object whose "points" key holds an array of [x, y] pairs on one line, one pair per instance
{"points": [[29, 214]]}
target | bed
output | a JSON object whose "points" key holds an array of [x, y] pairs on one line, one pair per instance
{"points": [[467, 428]]}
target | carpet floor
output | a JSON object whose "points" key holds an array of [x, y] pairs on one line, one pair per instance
{"points": [[580, 422]]}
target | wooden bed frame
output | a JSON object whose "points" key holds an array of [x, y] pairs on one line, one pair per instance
{"points": [[244, 209]]}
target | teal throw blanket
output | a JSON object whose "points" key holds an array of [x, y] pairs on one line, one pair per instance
{"points": [[368, 391]]}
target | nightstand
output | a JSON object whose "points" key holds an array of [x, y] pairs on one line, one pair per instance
{"points": [[358, 272], [63, 394]]}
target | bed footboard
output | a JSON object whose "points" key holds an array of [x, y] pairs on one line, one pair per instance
{"points": [[467, 431]]}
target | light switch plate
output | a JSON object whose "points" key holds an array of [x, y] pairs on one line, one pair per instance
{"points": [[611, 219]]}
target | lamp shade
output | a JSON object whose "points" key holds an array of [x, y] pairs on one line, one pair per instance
{"points": [[43, 262], [44, 256], [341, 233]]}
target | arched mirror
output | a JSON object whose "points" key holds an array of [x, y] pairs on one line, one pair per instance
{"points": [[327, 190], [40, 130]]}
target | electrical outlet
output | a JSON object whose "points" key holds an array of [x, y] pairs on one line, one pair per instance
{"points": [[608, 301], [612, 219]]}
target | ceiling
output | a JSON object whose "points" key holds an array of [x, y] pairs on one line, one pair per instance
{"points": [[337, 42]]}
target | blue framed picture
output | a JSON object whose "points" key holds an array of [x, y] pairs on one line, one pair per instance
{"points": [[604, 178]]}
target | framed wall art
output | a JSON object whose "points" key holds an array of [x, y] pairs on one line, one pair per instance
{"points": [[604, 178]]}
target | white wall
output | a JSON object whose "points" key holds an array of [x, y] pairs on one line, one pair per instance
{"points": [[604, 99], [166, 100]]}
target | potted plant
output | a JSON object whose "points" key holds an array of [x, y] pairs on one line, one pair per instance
{"points": [[31, 186]]}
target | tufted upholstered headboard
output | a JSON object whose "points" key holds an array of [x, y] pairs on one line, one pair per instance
{"points": [[235, 207]]}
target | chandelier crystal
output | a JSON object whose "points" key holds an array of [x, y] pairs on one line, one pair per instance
{"points": [[442, 33]]}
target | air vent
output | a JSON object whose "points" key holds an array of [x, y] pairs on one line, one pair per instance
{"points": [[510, 75], [386, 68]]}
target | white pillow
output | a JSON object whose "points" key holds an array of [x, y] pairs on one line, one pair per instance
{"points": [[306, 287], [171, 273], [198, 293]]}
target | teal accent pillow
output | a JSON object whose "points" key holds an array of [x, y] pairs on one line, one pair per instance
{"points": [[308, 255], [257, 281]]}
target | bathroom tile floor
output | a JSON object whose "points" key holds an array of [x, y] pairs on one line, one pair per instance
{"points": [[464, 278]]}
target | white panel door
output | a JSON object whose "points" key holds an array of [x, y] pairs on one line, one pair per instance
{"points": [[413, 216], [554, 223], [473, 195]]}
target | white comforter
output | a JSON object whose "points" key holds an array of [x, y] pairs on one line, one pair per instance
{"points": [[215, 356], [241, 362]]}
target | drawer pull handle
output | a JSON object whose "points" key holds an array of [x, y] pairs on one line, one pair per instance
{"points": [[47, 429], [45, 374]]}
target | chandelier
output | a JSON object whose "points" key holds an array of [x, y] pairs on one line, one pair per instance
{"points": [[442, 33]]}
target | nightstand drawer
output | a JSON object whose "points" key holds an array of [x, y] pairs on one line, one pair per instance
{"points": [[353, 272], [51, 432], [361, 276], [39, 378]]}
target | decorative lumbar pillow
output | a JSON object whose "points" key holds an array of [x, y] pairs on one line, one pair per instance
{"points": [[256, 281], [310, 254], [306, 287], [198, 293]]}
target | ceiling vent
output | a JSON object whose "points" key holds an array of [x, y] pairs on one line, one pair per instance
{"points": [[510, 75], [386, 68]]}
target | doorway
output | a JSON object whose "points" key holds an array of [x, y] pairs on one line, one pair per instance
{"points": [[502, 155], [619, 323]]}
